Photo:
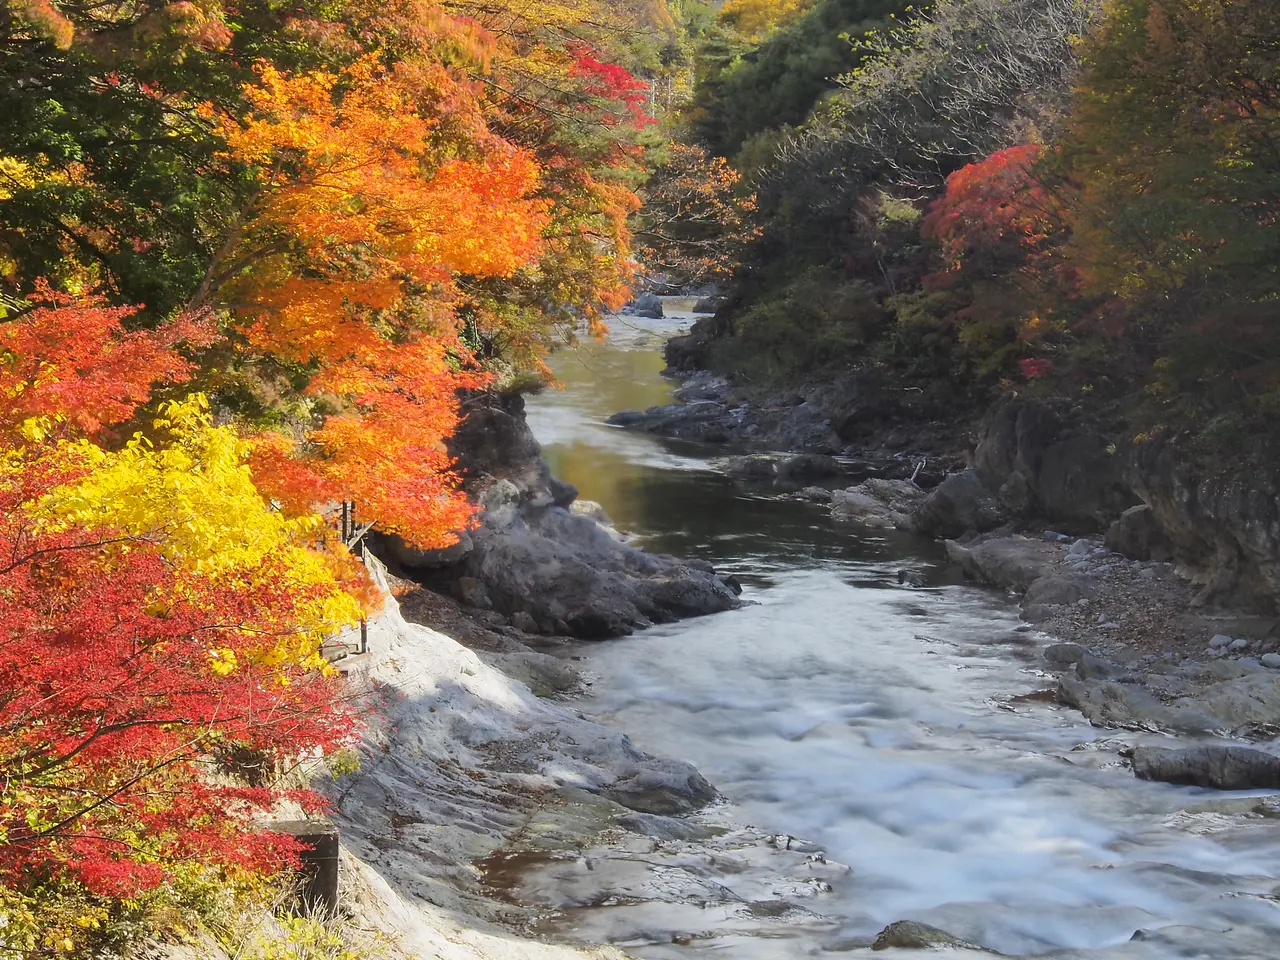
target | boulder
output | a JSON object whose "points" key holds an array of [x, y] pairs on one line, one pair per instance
{"points": [[1219, 766], [1064, 654], [1055, 590], [877, 503], [1137, 534], [808, 466], [910, 935], [752, 468], [647, 305], [405, 558], [707, 305], [960, 504], [1005, 561], [589, 508], [539, 558]]}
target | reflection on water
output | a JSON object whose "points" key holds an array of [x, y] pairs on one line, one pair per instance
{"points": [[885, 724]]}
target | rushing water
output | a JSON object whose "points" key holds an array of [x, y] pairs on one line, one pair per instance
{"points": [[889, 726]]}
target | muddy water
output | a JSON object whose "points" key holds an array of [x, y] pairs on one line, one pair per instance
{"points": [[876, 746]]}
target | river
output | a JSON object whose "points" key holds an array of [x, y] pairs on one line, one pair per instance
{"points": [[885, 726]]}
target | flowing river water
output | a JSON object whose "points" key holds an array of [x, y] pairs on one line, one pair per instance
{"points": [[888, 727]]}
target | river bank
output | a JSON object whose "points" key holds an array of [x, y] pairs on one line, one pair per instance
{"points": [[1157, 586], [894, 759]]}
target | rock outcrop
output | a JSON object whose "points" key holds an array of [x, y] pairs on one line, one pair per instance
{"points": [[1219, 766], [910, 935], [878, 503], [1041, 461], [1223, 526], [548, 568]]}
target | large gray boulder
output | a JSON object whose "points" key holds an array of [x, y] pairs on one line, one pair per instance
{"points": [[877, 503], [1220, 766], [1048, 594], [1013, 562], [961, 504], [1137, 534], [647, 305]]}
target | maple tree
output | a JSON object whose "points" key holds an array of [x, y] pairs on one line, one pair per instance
{"points": [[250, 262]]}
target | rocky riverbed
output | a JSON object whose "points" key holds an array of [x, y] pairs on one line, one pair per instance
{"points": [[1157, 583]]}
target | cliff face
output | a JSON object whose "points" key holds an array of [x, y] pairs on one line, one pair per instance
{"points": [[1036, 461], [1225, 525], [541, 562]]}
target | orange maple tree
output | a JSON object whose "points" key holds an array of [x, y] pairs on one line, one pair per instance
{"points": [[347, 267]]}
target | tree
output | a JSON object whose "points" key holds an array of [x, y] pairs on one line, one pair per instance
{"points": [[1174, 144], [696, 216]]}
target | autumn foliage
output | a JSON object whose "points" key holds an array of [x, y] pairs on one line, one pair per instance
{"points": [[251, 262]]}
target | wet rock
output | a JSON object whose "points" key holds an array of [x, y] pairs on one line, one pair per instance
{"points": [[663, 828], [960, 504], [910, 935], [661, 791], [1221, 767], [704, 386], [542, 673], [700, 420], [752, 468], [817, 494], [878, 503], [1005, 561], [1130, 706], [1137, 534], [1064, 654], [808, 466], [589, 508], [647, 305]]}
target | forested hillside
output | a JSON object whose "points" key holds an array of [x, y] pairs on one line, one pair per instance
{"points": [[252, 258], [1075, 199]]}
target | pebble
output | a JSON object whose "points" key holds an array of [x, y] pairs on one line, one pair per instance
{"points": [[1216, 651], [1271, 660], [1221, 640], [1081, 548]]}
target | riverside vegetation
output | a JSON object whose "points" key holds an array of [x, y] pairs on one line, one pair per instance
{"points": [[254, 260]]}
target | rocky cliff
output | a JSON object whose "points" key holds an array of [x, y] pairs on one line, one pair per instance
{"points": [[540, 562]]}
